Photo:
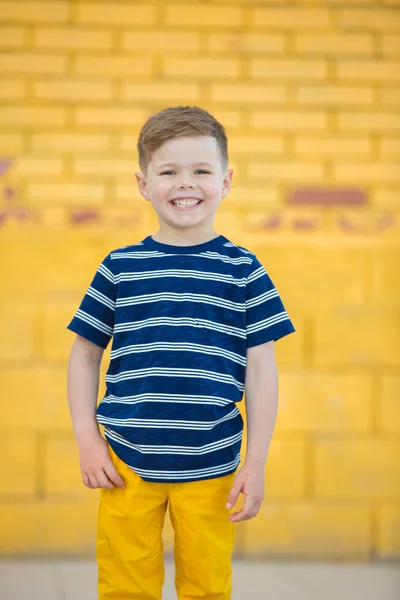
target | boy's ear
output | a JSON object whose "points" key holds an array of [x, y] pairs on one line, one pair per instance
{"points": [[227, 182], [142, 185]]}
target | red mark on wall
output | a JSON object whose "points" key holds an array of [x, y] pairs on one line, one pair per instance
{"points": [[328, 197]]}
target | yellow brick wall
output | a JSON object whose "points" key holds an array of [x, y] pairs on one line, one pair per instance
{"points": [[309, 93]]}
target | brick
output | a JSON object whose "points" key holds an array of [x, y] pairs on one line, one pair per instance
{"points": [[265, 145], [17, 323], [248, 93], [389, 416], [105, 14], [367, 336], [369, 70], [12, 89], [291, 18], [388, 536], [156, 41], [182, 93], [345, 284], [18, 470], [390, 97], [62, 475], [285, 470], [54, 340], [12, 37], [307, 531], [324, 402], [31, 116], [65, 193], [70, 90], [359, 469], [385, 283], [390, 45], [32, 64], [10, 142], [226, 68], [368, 121], [314, 44], [113, 66], [289, 120], [110, 117], [332, 146], [283, 70], [369, 19], [287, 172], [46, 528], [66, 38], [214, 16], [253, 43], [46, 389], [390, 147], [32, 12], [335, 95], [385, 198], [109, 166], [35, 166], [367, 173], [68, 141]]}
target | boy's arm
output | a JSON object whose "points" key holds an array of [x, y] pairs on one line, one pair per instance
{"points": [[82, 389], [261, 409]]}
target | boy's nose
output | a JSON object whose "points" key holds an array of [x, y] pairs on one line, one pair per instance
{"points": [[185, 184]]}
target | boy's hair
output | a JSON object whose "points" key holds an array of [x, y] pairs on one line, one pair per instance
{"points": [[179, 121]]}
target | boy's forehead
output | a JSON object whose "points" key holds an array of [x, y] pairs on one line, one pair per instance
{"points": [[185, 150]]}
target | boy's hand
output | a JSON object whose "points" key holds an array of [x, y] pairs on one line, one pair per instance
{"points": [[97, 468], [250, 482]]}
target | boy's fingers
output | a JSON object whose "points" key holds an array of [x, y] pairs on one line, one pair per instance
{"points": [[85, 480], [234, 494], [113, 475], [93, 481], [103, 480]]}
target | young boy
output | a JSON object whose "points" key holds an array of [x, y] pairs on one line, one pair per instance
{"points": [[193, 319]]}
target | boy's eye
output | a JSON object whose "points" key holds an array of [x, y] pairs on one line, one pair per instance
{"points": [[202, 171], [167, 172]]}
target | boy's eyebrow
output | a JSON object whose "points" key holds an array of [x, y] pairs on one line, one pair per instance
{"points": [[170, 164]]}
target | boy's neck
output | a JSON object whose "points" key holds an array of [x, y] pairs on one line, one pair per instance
{"points": [[184, 238]]}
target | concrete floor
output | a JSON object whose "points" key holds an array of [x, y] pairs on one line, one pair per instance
{"points": [[76, 580]]}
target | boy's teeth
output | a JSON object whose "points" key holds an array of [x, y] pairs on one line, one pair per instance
{"points": [[185, 202]]}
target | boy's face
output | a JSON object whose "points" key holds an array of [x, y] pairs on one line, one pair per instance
{"points": [[185, 183]]}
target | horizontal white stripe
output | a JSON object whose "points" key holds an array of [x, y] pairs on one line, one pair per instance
{"points": [[168, 424], [262, 298], [180, 297], [179, 347], [283, 316], [180, 273], [260, 272], [208, 254], [179, 322], [191, 474], [101, 298], [179, 373], [181, 450], [106, 273], [169, 398], [230, 245], [84, 316]]}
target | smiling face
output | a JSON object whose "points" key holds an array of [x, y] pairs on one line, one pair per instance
{"points": [[185, 183]]}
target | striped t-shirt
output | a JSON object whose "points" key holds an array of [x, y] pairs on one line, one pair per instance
{"points": [[180, 319]]}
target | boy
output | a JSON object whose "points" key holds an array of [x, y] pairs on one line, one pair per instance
{"points": [[193, 319]]}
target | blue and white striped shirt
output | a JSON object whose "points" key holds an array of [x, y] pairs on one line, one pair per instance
{"points": [[181, 319]]}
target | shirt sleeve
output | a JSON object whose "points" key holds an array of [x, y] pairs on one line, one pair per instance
{"points": [[266, 317], [94, 319]]}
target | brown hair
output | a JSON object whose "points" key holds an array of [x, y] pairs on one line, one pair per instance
{"points": [[179, 121]]}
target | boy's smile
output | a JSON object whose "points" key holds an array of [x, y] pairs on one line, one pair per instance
{"points": [[185, 182]]}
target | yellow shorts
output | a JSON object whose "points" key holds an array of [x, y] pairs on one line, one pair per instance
{"points": [[129, 542]]}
